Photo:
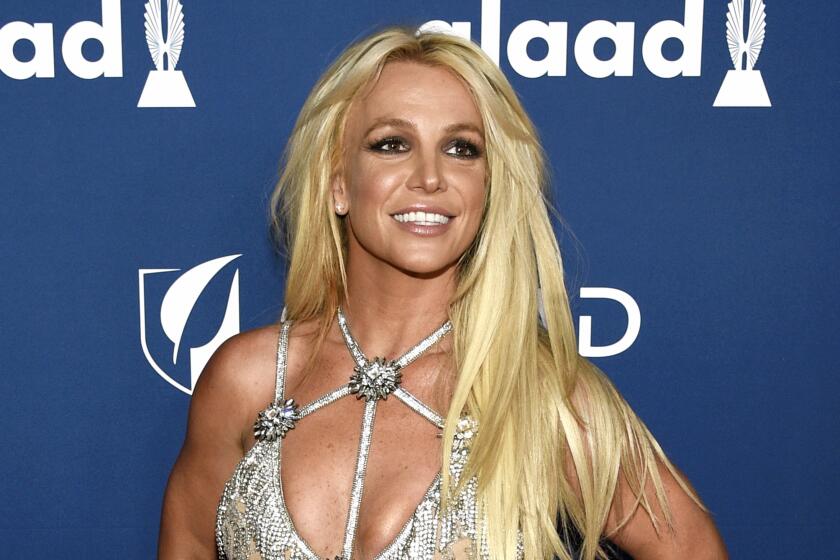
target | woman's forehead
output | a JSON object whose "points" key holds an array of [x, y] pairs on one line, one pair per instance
{"points": [[404, 89]]}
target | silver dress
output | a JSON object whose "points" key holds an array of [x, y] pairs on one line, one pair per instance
{"points": [[252, 521]]}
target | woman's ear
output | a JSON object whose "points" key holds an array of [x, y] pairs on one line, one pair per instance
{"points": [[341, 202]]}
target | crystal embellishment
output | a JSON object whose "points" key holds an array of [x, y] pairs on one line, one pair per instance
{"points": [[464, 432], [276, 420], [375, 380]]}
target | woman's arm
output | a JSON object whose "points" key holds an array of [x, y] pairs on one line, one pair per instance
{"points": [[694, 537], [212, 447]]}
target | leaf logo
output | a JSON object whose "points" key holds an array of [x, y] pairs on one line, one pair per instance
{"points": [[175, 308]]}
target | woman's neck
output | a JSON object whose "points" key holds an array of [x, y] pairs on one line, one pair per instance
{"points": [[389, 310]]}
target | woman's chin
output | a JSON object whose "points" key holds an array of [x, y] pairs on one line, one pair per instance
{"points": [[426, 269]]}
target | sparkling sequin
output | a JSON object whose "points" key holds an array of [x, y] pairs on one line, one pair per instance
{"points": [[375, 380], [253, 523], [276, 420]]}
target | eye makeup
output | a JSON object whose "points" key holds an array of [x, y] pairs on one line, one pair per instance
{"points": [[461, 144]]}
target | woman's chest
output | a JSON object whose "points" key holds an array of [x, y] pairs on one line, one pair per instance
{"points": [[318, 464], [350, 473], [254, 521]]}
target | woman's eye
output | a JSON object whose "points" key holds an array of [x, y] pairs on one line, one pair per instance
{"points": [[394, 144], [389, 145], [464, 149]]}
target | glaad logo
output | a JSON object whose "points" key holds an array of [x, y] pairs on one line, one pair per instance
{"points": [[555, 35], [165, 87], [175, 308], [634, 323], [42, 64], [631, 332], [744, 87], [741, 88]]}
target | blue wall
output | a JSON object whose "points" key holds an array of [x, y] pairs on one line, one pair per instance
{"points": [[721, 223]]}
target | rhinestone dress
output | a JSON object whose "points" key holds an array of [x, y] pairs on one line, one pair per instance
{"points": [[252, 521]]}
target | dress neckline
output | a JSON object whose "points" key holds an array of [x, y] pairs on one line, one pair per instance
{"points": [[275, 444], [277, 480]]}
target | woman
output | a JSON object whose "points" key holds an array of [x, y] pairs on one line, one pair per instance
{"points": [[413, 203]]}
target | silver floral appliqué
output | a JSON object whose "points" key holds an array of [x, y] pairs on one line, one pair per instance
{"points": [[465, 430], [276, 420], [375, 380]]}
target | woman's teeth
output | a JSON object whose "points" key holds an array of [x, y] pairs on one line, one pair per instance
{"points": [[422, 218]]}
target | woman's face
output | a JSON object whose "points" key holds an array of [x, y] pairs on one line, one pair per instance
{"points": [[412, 181]]}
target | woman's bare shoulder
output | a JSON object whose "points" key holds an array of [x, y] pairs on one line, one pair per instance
{"points": [[242, 367], [246, 363], [237, 380]]}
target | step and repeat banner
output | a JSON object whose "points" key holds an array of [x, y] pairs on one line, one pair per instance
{"points": [[693, 147]]}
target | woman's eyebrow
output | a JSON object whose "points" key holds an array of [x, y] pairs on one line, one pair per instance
{"points": [[391, 121], [403, 123], [463, 126]]}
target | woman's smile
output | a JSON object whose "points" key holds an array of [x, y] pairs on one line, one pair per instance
{"points": [[423, 220]]}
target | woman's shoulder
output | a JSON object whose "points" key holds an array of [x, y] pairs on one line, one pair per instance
{"points": [[242, 369], [246, 363]]}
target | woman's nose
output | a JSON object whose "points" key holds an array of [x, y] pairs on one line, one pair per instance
{"points": [[426, 174]]}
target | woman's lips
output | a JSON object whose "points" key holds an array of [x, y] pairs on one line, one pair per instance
{"points": [[424, 230]]}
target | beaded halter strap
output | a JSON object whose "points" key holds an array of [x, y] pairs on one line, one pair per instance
{"points": [[371, 380]]}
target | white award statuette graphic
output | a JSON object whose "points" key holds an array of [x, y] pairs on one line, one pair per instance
{"points": [[743, 86], [175, 309], [165, 87]]}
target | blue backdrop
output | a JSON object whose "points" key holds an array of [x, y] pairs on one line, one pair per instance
{"points": [[720, 223]]}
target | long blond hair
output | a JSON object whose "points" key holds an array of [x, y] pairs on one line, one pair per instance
{"points": [[515, 376]]}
